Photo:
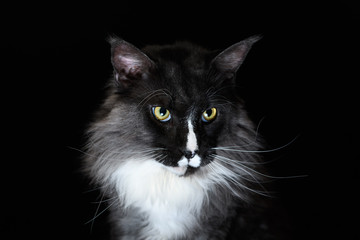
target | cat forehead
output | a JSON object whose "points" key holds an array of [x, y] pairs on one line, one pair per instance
{"points": [[179, 56], [185, 86], [182, 69], [180, 49], [181, 98]]}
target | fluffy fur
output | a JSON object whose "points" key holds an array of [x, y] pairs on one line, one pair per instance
{"points": [[185, 178]]}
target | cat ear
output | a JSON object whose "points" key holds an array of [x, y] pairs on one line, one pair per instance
{"points": [[130, 64], [231, 58]]}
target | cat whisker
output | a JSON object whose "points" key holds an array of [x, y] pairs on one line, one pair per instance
{"points": [[97, 213], [258, 128], [103, 201], [240, 166], [211, 92], [161, 159], [234, 148], [79, 150], [94, 189], [97, 209], [232, 177], [223, 102], [224, 183], [151, 152], [152, 94], [237, 163]]}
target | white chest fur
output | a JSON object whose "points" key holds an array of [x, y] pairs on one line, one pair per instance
{"points": [[172, 203]]}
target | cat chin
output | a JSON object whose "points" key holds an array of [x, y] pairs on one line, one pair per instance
{"points": [[180, 171]]}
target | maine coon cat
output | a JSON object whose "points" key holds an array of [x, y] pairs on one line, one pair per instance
{"points": [[172, 147]]}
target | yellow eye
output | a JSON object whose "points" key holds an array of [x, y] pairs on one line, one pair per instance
{"points": [[161, 114], [209, 115]]}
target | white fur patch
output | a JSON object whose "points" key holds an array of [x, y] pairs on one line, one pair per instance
{"points": [[183, 162], [182, 167], [191, 144], [171, 202], [180, 171], [195, 161]]}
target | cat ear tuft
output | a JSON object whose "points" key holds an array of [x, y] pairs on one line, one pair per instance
{"points": [[130, 64], [231, 58]]}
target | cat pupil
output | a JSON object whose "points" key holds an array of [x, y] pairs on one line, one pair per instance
{"points": [[162, 111], [208, 112]]}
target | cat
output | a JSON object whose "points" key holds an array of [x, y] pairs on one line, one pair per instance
{"points": [[172, 146]]}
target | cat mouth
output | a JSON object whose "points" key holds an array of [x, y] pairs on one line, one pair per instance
{"points": [[184, 164]]}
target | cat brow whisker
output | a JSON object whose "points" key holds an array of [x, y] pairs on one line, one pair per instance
{"points": [[152, 94], [210, 93]]}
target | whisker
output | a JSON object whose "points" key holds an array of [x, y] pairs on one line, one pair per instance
{"points": [[240, 164], [111, 154], [97, 209], [103, 201], [98, 214], [256, 180], [237, 164], [235, 181], [257, 129], [224, 183], [149, 151], [93, 190], [231, 149], [79, 150], [161, 159], [152, 94]]}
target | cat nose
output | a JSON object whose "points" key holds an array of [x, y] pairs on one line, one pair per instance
{"points": [[189, 154]]}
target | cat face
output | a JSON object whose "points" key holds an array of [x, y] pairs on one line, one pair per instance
{"points": [[176, 101], [186, 125]]}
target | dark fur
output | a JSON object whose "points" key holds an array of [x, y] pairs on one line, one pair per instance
{"points": [[185, 79]]}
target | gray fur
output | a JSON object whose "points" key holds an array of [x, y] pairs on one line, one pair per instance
{"points": [[123, 137]]}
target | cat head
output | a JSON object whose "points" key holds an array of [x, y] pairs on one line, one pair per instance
{"points": [[175, 103]]}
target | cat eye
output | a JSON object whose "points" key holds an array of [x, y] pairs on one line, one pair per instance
{"points": [[209, 115], [161, 114]]}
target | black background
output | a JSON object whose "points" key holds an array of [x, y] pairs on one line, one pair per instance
{"points": [[299, 80]]}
